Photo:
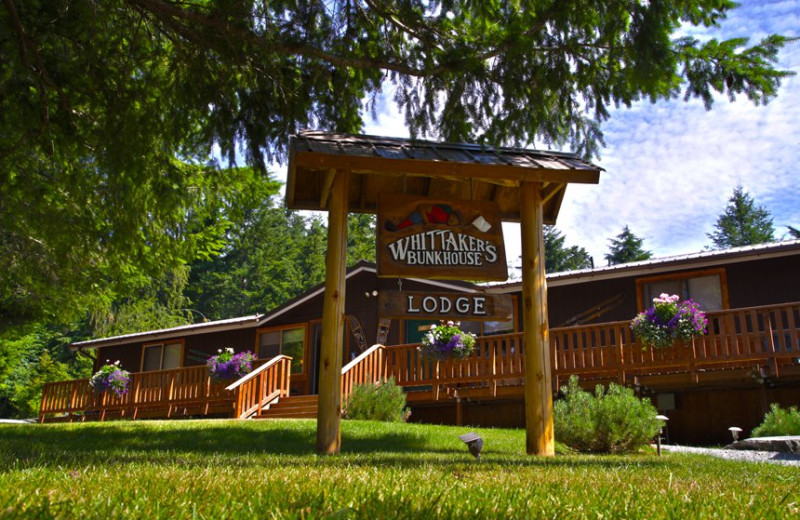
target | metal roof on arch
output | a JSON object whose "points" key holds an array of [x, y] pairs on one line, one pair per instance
{"points": [[427, 169]]}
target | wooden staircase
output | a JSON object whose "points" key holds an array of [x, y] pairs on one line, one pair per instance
{"points": [[294, 407]]}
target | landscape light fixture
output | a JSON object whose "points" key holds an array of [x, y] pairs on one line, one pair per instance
{"points": [[663, 419], [474, 443], [735, 431]]}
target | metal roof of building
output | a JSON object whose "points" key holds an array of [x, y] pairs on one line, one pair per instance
{"points": [[667, 263], [427, 168], [183, 330]]}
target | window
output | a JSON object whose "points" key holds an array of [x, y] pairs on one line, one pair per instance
{"points": [[162, 356], [415, 329], [288, 341], [708, 288]]}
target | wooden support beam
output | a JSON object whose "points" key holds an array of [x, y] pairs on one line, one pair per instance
{"points": [[538, 373], [333, 314], [327, 183]]}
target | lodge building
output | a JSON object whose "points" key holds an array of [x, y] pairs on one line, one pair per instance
{"points": [[749, 358]]}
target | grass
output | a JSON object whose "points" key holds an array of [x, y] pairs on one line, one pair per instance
{"points": [[268, 469]]}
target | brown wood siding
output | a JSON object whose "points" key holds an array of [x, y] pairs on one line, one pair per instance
{"points": [[703, 417], [566, 301], [764, 282], [130, 355]]}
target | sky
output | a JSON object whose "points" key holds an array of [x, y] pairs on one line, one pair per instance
{"points": [[671, 167]]}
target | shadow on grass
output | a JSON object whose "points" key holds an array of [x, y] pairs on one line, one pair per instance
{"points": [[242, 444]]}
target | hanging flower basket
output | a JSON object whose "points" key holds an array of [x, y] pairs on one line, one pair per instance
{"points": [[111, 377], [226, 365], [445, 341], [669, 322]]}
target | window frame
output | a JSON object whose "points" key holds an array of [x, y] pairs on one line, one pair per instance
{"points": [[514, 319], [280, 328], [162, 344], [681, 277]]}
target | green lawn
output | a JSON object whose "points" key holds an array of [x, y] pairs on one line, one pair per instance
{"points": [[268, 469]]}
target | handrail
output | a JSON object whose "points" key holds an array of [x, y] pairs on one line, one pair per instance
{"points": [[250, 375], [737, 338], [267, 383], [369, 367], [362, 357], [166, 392]]}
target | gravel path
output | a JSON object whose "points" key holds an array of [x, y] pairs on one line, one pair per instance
{"points": [[773, 457]]}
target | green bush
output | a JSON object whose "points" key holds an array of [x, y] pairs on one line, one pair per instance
{"points": [[778, 422], [382, 401], [612, 420]]}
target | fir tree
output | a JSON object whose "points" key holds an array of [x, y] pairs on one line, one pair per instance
{"points": [[558, 258], [626, 247], [743, 223]]}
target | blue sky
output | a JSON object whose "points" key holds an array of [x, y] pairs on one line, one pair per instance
{"points": [[671, 167]]}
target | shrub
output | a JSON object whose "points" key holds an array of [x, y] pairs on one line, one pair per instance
{"points": [[612, 420], [778, 422], [382, 401]]}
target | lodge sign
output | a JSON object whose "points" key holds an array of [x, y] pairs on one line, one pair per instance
{"points": [[466, 306], [439, 238]]}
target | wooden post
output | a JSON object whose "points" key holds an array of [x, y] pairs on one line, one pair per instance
{"points": [[333, 314], [538, 387]]}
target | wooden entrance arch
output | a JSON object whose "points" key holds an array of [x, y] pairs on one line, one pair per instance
{"points": [[345, 173]]}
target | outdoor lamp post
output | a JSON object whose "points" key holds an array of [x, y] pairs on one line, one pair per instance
{"points": [[474, 442], [663, 419]]}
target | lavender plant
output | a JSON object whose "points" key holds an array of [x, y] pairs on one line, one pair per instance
{"points": [[669, 321], [111, 377], [447, 340], [227, 365]]}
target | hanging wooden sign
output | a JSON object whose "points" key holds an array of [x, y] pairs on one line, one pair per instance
{"points": [[440, 238], [463, 306]]}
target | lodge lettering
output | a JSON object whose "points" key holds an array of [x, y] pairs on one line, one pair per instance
{"points": [[438, 305], [442, 248]]}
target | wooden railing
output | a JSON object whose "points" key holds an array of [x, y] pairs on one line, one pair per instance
{"points": [[739, 338], [369, 367], [260, 387], [162, 393], [766, 336]]}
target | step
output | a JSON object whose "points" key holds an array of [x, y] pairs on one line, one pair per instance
{"points": [[267, 414], [294, 407]]}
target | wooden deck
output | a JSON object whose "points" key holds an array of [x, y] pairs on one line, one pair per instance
{"points": [[178, 392], [742, 345]]}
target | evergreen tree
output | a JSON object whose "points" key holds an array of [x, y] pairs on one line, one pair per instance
{"points": [[558, 258], [98, 99], [626, 247], [794, 232], [742, 224]]}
